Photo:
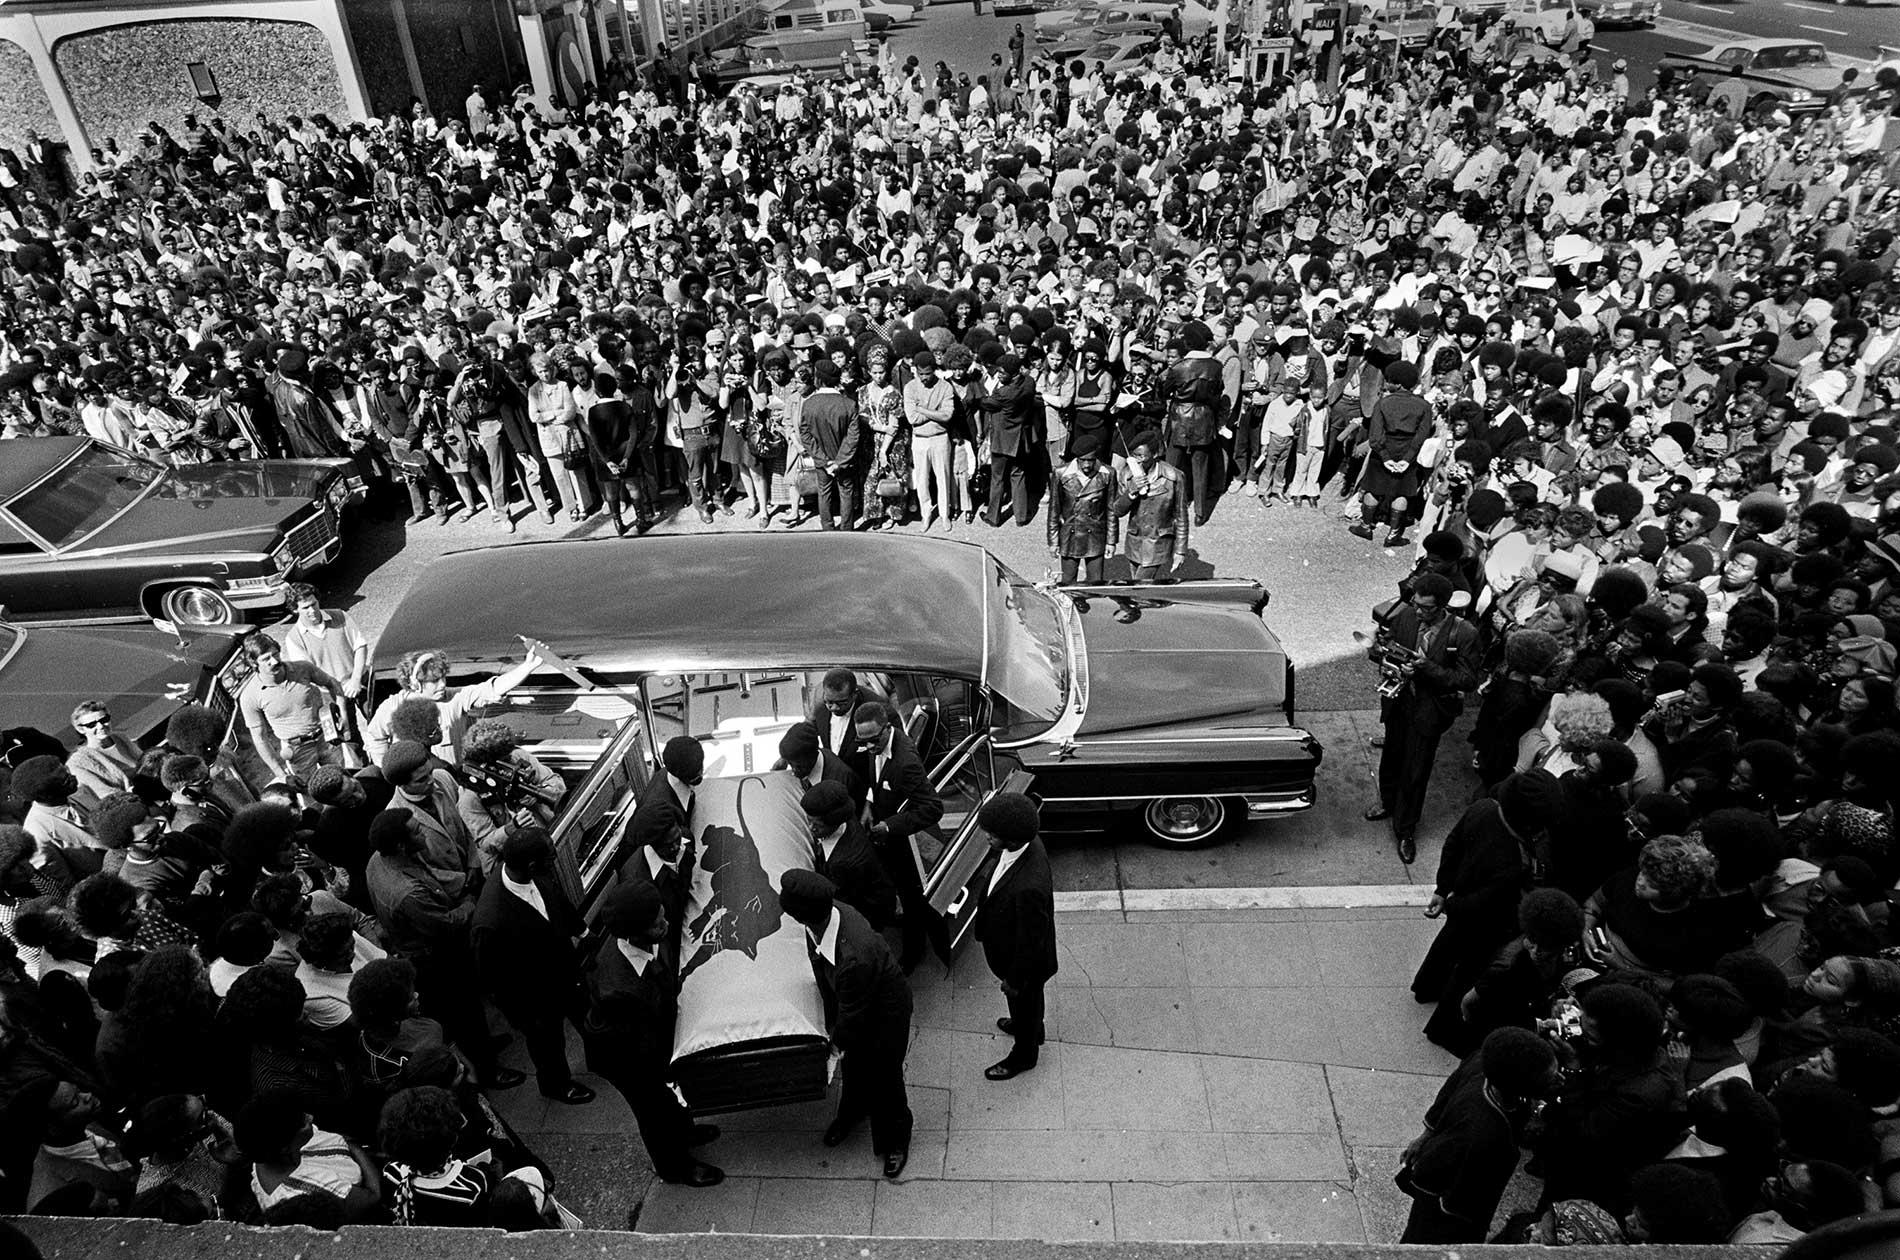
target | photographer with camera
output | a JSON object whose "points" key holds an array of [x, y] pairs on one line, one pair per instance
{"points": [[1427, 661], [692, 390], [502, 788]]}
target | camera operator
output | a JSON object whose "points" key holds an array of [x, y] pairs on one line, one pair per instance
{"points": [[502, 788], [692, 390], [1424, 692]]}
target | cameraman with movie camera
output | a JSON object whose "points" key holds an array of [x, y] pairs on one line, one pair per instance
{"points": [[1427, 661], [502, 787]]}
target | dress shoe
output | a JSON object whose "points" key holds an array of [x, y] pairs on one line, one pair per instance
{"points": [[702, 1134], [838, 1130], [1398, 538], [1006, 1069], [504, 1078], [705, 515], [1360, 531], [1378, 813], [894, 1164], [699, 1176], [1408, 849], [1006, 1025], [575, 1095]]}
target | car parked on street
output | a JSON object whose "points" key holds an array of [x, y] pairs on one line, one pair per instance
{"points": [[92, 532], [1796, 74], [143, 674], [1621, 13]]}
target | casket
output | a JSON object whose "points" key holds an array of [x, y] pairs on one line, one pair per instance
{"points": [[751, 1030]]}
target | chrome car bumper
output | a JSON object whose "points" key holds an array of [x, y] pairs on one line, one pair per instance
{"points": [[249, 594], [1267, 804]]}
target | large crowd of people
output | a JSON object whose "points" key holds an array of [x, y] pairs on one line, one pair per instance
{"points": [[1622, 366]]}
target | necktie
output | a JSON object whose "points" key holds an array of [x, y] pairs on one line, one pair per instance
{"points": [[818, 855], [691, 797]]}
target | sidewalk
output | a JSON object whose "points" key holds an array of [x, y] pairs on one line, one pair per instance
{"points": [[1210, 1075]]}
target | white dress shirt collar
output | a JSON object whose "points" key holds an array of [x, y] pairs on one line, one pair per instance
{"points": [[637, 956], [826, 943], [527, 892], [1004, 860]]}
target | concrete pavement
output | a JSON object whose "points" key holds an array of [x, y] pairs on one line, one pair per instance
{"points": [[1210, 1075]]}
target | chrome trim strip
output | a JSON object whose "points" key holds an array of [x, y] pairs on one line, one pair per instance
{"points": [[1292, 734], [1255, 800], [19, 642]]}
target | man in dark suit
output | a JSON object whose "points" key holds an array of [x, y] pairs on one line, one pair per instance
{"points": [[902, 804], [670, 793], [1432, 697], [867, 1004], [828, 433], [661, 857], [838, 698], [803, 752], [524, 935], [632, 1003], [1013, 410], [842, 852], [1016, 922]]}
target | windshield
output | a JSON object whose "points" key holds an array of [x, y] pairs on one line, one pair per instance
{"points": [[83, 495], [1028, 658]]}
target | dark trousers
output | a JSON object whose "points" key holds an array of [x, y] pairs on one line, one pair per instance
{"points": [[1197, 462], [1428, 1224], [701, 448], [1247, 427], [1011, 471], [1405, 768], [1089, 568], [871, 1083], [544, 1030], [921, 925], [837, 492], [445, 981], [665, 1126], [1025, 1016]]}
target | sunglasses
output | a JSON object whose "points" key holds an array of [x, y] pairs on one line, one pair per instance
{"points": [[103, 720]]}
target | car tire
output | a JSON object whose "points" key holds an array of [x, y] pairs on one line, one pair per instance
{"points": [[198, 606], [1185, 822]]}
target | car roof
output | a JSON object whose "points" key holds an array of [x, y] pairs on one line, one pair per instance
{"points": [[29, 459], [738, 600], [1756, 44]]}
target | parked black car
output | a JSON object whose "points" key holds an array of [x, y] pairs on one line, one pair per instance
{"points": [[91, 532], [143, 674]]}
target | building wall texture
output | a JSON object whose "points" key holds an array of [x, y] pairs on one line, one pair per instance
{"points": [[124, 76], [456, 46], [22, 100]]}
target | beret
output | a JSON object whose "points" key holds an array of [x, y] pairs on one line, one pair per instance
{"points": [[630, 909], [806, 895], [683, 757], [1564, 564], [1011, 817], [403, 759], [800, 741], [1196, 336], [828, 801], [1527, 800]]}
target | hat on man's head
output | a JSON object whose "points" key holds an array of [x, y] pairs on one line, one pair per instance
{"points": [[828, 801], [806, 895], [683, 758], [1875, 656], [827, 373], [800, 741], [631, 910], [403, 759], [1011, 817]]}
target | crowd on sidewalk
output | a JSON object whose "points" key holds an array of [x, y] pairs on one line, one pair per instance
{"points": [[1627, 362]]}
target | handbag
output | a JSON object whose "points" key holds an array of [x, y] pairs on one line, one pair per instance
{"points": [[573, 447], [891, 488], [809, 482], [767, 443]]}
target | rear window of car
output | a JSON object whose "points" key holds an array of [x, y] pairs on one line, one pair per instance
{"points": [[83, 495]]}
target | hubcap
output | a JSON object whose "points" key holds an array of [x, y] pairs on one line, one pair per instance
{"points": [[1185, 817], [198, 606]]}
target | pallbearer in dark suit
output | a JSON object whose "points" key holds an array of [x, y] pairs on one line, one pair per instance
{"points": [[902, 804], [524, 935], [802, 751], [1016, 922], [867, 1002], [682, 768], [661, 858], [841, 851], [838, 698], [632, 1003]]}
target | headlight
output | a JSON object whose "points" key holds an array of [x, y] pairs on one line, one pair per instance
{"points": [[1800, 94], [281, 559]]}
